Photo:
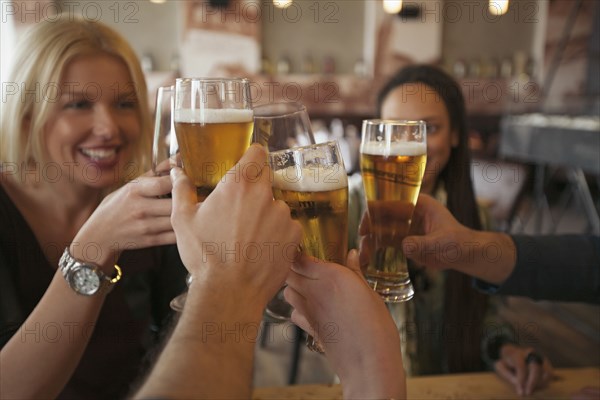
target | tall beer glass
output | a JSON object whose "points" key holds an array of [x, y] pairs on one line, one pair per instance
{"points": [[280, 126], [392, 160], [164, 145], [213, 124], [312, 181]]}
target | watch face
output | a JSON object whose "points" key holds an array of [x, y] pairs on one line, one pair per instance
{"points": [[85, 280]]}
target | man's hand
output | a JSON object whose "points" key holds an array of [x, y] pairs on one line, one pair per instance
{"points": [[440, 241], [239, 238], [336, 305]]}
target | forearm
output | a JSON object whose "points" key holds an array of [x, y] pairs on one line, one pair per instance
{"points": [[378, 375], [489, 256], [39, 359], [388, 383], [210, 354], [378, 370]]}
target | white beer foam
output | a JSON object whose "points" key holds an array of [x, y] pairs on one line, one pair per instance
{"points": [[316, 178], [214, 116], [394, 149]]}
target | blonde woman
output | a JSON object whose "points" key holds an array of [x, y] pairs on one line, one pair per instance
{"points": [[77, 311]]}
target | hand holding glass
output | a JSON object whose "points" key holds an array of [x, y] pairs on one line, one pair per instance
{"points": [[312, 181], [281, 126], [392, 160], [213, 123]]}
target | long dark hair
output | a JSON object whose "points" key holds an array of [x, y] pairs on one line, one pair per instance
{"points": [[464, 306]]}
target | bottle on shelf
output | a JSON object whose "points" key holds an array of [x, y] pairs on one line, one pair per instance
{"points": [[360, 68], [459, 69], [506, 68], [147, 62], [266, 67], [284, 66], [474, 69], [328, 65], [308, 65]]}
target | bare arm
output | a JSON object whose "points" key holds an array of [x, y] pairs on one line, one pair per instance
{"points": [[50, 343], [211, 350], [336, 305]]}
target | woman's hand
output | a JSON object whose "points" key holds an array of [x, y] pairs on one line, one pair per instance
{"points": [[132, 217], [523, 368]]}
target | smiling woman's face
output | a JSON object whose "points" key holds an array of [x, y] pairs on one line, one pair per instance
{"points": [[417, 101], [95, 123]]}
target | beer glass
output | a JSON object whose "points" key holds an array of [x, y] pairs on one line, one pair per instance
{"points": [[392, 161], [281, 126], [312, 181], [213, 124], [164, 144]]}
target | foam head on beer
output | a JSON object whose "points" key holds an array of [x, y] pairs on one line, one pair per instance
{"points": [[313, 178], [213, 116], [386, 149]]}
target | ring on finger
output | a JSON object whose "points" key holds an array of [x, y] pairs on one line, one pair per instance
{"points": [[534, 357]]}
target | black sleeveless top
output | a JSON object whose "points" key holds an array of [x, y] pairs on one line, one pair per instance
{"points": [[130, 322]]}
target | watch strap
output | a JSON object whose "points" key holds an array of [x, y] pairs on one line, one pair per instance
{"points": [[67, 263]]}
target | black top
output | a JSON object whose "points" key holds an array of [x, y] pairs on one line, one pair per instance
{"points": [[131, 319], [558, 267]]}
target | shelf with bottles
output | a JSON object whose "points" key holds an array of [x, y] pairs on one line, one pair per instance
{"points": [[342, 95]]}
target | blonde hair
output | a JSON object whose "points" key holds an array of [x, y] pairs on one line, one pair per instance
{"points": [[42, 55]]}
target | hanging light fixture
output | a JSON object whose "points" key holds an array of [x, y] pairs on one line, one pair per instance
{"points": [[282, 3], [392, 6], [498, 7], [158, 1]]}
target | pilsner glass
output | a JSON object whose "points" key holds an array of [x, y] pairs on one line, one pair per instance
{"points": [[164, 145], [392, 161], [214, 124], [312, 181], [281, 126]]}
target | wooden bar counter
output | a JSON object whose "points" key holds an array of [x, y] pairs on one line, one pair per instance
{"points": [[479, 386]]}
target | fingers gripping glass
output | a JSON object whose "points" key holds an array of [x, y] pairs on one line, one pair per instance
{"points": [[312, 181], [392, 161], [214, 125]]}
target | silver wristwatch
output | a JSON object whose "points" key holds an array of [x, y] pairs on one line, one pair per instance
{"points": [[86, 278]]}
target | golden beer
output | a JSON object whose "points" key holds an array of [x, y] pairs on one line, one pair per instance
{"points": [[312, 181], [318, 199], [212, 147], [392, 180]]}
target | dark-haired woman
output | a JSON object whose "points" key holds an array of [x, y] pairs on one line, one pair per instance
{"points": [[448, 322]]}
